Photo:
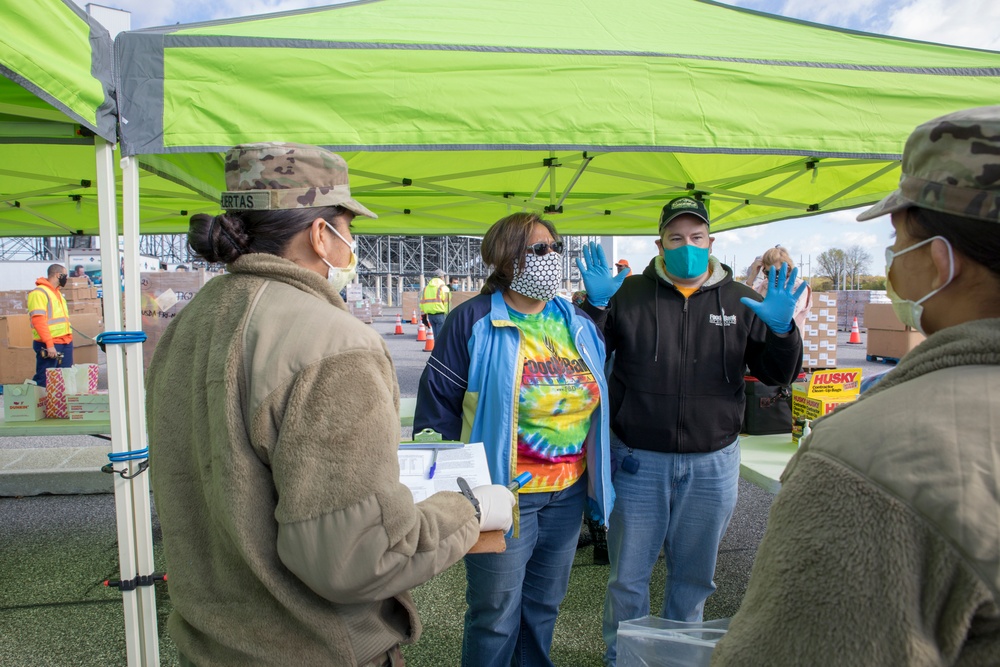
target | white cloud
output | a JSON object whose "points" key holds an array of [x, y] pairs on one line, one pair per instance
{"points": [[961, 22]]}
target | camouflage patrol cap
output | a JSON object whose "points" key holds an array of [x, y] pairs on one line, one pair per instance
{"points": [[952, 165], [273, 176]]}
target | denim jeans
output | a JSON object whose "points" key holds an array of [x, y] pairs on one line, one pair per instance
{"points": [[44, 363], [514, 596], [682, 503], [437, 322]]}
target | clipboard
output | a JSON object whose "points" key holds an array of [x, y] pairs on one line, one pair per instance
{"points": [[418, 469]]}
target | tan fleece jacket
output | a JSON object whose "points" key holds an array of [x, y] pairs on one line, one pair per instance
{"points": [[883, 545], [273, 428]]}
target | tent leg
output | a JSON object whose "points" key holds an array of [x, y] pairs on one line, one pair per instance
{"points": [[142, 521], [111, 282]]}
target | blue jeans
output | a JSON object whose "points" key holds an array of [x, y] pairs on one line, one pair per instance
{"points": [[44, 363], [682, 503], [437, 321], [514, 596]]}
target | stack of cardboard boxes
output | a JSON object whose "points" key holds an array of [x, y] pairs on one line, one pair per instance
{"points": [[14, 303], [81, 298], [163, 295], [888, 338], [819, 335]]}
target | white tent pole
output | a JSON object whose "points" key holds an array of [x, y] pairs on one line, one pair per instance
{"points": [[111, 285], [137, 410]]}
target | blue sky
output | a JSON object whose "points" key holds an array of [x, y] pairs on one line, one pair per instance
{"points": [[961, 22]]}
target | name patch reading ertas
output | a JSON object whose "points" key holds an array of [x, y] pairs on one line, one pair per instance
{"points": [[247, 200]]}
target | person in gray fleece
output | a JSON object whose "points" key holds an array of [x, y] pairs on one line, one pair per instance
{"points": [[883, 545], [273, 436]]}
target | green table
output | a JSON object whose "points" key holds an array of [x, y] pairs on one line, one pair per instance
{"points": [[764, 457], [55, 427]]}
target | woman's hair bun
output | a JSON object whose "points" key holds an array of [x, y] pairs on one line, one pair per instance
{"points": [[219, 238]]}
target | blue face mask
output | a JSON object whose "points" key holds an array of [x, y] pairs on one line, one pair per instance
{"points": [[686, 262]]}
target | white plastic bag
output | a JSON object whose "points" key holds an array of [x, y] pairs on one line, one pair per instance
{"points": [[656, 642]]}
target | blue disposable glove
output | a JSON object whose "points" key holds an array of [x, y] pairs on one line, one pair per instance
{"points": [[596, 274], [778, 306]]}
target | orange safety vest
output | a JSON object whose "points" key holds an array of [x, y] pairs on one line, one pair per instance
{"points": [[435, 297], [54, 308]]}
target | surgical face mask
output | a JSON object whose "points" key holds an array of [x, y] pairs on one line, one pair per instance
{"points": [[908, 311], [341, 277], [62, 280], [540, 277], [686, 262]]}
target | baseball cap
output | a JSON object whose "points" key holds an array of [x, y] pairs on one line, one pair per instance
{"points": [[622, 262], [438, 273], [680, 206], [272, 176], [951, 165]]}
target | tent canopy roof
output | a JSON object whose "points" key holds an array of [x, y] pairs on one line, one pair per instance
{"points": [[452, 113]]}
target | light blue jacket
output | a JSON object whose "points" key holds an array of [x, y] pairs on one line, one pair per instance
{"points": [[470, 387]]}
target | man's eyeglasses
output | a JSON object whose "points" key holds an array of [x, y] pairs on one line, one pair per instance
{"points": [[545, 248]]}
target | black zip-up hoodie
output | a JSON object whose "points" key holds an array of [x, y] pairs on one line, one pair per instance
{"points": [[677, 378]]}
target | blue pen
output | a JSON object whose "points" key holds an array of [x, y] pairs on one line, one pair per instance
{"points": [[519, 481], [434, 462]]}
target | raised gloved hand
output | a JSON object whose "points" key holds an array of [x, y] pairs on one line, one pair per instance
{"points": [[600, 284], [496, 503], [778, 306]]}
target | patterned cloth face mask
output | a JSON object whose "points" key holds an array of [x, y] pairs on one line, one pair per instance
{"points": [[540, 278]]}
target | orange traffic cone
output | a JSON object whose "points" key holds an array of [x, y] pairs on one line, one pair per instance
{"points": [[421, 332], [855, 334], [429, 345], [413, 320], [399, 326]]}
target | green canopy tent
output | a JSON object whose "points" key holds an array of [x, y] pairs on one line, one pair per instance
{"points": [[56, 102], [57, 134], [452, 113]]}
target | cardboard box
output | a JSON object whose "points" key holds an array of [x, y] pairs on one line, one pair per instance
{"points": [[826, 391], [411, 303], [882, 316], [458, 298], [23, 402], [14, 303], [88, 407], [824, 299], [892, 344], [163, 295]]}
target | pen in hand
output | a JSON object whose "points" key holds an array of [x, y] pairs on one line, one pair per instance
{"points": [[434, 462], [519, 481]]}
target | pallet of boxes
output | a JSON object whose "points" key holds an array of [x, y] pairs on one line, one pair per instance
{"points": [[819, 335], [888, 338], [163, 295], [81, 298]]}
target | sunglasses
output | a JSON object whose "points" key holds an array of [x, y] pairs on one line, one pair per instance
{"points": [[544, 248]]}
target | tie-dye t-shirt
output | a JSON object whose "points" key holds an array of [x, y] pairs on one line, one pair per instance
{"points": [[557, 398]]}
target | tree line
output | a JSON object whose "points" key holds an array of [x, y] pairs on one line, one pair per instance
{"points": [[848, 269]]}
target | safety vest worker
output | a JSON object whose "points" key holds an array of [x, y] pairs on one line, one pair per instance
{"points": [[436, 297], [50, 327]]}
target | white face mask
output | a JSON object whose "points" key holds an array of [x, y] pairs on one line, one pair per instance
{"points": [[540, 277], [909, 312], [341, 277]]}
